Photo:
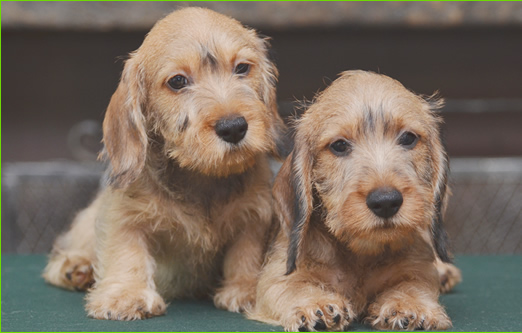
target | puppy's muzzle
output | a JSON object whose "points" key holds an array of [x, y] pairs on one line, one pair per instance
{"points": [[231, 129], [384, 202]]}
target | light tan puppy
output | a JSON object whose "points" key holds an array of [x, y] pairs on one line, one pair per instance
{"points": [[360, 200], [188, 133]]}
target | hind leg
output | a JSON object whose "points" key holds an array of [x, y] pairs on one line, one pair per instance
{"points": [[69, 271], [71, 259], [449, 275]]}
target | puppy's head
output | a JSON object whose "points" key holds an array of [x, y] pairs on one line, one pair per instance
{"points": [[369, 152], [201, 83]]}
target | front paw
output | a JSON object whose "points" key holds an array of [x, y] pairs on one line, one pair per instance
{"points": [[407, 314], [331, 313], [236, 296], [124, 303]]}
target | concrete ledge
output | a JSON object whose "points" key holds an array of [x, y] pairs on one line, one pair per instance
{"points": [[484, 215], [505, 167], [261, 15]]}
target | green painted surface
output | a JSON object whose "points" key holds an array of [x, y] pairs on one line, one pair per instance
{"points": [[489, 299]]}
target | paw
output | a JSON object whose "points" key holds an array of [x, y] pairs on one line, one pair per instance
{"points": [[328, 314], [449, 276], [80, 275], [236, 296], [124, 303], [70, 272], [408, 314]]}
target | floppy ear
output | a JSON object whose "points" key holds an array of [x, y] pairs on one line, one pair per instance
{"points": [[267, 92], [439, 235], [440, 159], [269, 74], [124, 134], [294, 200]]}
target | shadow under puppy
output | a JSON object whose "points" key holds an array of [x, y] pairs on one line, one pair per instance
{"points": [[188, 134], [360, 200]]}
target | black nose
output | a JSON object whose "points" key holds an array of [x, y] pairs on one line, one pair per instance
{"points": [[384, 202], [232, 129]]}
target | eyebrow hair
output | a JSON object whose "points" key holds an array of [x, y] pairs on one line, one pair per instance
{"points": [[208, 59], [369, 121]]}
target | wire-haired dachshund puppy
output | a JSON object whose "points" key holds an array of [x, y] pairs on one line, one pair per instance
{"points": [[188, 134], [360, 200]]}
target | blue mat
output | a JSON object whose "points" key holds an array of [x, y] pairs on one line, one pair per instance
{"points": [[489, 299]]}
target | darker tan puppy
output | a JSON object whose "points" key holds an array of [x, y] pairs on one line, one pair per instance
{"points": [[188, 134], [360, 200]]}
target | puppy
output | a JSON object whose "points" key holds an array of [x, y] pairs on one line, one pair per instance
{"points": [[188, 134], [360, 200]]}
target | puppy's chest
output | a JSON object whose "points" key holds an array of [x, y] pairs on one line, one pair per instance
{"points": [[370, 276], [203, 229], [186, 268], [190, 188], [189, 247]]}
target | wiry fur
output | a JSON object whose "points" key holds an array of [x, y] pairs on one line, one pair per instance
{"points": [[334, 260], [185, 213]]}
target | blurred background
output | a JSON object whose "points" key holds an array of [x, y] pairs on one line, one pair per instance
{"points": [[61, 62]]}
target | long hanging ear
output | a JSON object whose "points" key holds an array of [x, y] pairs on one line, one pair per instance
{"points": [[439, 235], [269, 73], [124, 133], [294, 200], [440, 159], [267, 92]]}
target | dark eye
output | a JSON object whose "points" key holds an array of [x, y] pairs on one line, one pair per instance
{"points": [[242, 69], [177, 82], [341, 147], [408, 140]]}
